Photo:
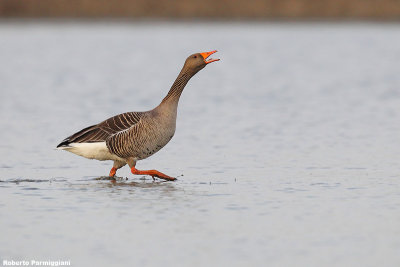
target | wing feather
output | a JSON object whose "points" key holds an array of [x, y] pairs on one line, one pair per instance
{"points": [[102, 131]]}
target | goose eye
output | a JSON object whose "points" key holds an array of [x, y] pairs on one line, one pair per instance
{"points": [[195, 56]]}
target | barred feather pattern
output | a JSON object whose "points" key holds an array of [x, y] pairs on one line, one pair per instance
{"points": [[102, 131], [178, 86], [154, 130]]}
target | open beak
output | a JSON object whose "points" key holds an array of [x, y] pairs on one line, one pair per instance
{"points": [[205, 55]]}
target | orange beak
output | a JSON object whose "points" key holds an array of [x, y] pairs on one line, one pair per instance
{"points": [[205, 55]]}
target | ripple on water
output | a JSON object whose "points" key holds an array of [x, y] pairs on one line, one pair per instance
{"points": [[30, 188], [3, 166], [24, 180]]}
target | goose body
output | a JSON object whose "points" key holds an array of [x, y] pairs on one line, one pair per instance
{"points": [[132, 136]]}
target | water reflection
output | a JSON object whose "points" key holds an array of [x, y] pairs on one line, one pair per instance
{"points": [[22, 180], [144, 182]]}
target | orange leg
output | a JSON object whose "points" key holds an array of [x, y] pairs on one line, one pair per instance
{"points": [[112, 172], [153, 173]]}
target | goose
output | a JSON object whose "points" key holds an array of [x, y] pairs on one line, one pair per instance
{"points": [[132, 136]]}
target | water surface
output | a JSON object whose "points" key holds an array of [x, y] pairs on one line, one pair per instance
{"points": [[287, 150]]}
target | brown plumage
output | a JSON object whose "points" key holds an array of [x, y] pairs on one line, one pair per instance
{"points": [[100, 132], [132, 136]]}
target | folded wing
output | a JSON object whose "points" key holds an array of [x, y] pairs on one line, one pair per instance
{"points": [[102, 131]]}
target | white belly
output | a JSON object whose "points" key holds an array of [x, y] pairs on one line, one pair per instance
{"points": [[96, 150]]}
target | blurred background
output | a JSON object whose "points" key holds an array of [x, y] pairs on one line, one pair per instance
{"points": [[286, 150], [210, 9]]}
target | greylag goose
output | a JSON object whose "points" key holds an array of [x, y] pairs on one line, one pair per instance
{"points": [[132, 136]]}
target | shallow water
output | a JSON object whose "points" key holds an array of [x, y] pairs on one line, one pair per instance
{"points": [[287, 150]]}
